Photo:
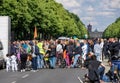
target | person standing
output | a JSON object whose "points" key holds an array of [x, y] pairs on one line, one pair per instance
{"points": [[23, 59], [105, 50], [101, 45], [52, 54], [37, 53], [14, 62], [70, 49], [42, 52], [98, 50], [34, 52], [113, 47], [8, 62], [59, 51], [84, 52]]}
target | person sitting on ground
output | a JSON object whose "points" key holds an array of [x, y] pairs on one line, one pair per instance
{"points": [[95, 70], [77, 53], [88, 59], [112, 74]]}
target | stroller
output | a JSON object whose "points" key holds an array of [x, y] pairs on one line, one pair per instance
{"points": [[29, 62], [28, 65]]}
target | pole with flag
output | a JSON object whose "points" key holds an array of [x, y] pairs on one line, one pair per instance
{"points": [[35, 32]]}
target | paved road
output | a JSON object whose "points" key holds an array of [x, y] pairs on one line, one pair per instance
{"points": [[43, 76]]}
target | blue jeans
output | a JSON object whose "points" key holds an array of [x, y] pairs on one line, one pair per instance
{"points": [[106, 78], [75, 60], [101, 71], [52, 61], [38, 61], [98, 56], [41, 61], [34, 63]]}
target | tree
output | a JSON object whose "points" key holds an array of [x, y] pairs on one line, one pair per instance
{"points": [[50, 18], [113, 30]]}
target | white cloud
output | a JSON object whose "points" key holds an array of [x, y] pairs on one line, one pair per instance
{"points": [[90, 0], [93, 11], [90, 9], [109, 9], [114, 3], [101, 13], [111, 16], [87, 18], [94, 23], [110, 4], [105, 13], [76, 11], [69, 3]]}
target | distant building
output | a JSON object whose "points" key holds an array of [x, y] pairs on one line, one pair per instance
{"points": [[89, 28], [94, 34]]}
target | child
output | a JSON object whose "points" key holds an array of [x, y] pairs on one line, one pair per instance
{"points": [[8, 64], [14, 63]]}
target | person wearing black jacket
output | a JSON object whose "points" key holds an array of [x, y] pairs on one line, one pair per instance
{"points": [[113, 47], [52, 54], [34, 52], [93, 72], [77, 53], [105, 49], [23, 59], [70, 49]]}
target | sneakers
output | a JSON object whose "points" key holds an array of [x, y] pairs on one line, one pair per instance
{"points": [[34, 70], [23, 70]]}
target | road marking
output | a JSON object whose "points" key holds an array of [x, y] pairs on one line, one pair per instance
{"points": [[13, 82], [25, 76], [80, 80]]}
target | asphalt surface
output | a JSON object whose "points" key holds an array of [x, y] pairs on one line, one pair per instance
{"points": [[43, 76]]}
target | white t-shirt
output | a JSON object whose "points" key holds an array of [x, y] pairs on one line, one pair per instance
{"points": [[59, 48], [8, 59], [13, 59]]}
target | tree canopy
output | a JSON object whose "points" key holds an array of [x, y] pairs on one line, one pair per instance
{"points": [[113, 30], [50, 18]]}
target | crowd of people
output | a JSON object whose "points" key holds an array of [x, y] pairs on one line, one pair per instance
{"points": [[38, 54]]}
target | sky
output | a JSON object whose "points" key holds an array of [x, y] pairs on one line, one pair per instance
{"points": [[99, 13]]}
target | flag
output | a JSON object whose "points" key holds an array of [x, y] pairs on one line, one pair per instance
{"points": [[35, 33]]}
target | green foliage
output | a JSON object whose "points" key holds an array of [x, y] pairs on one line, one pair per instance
{"points": [[118, 19], [113, 30], [49, 17]]}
